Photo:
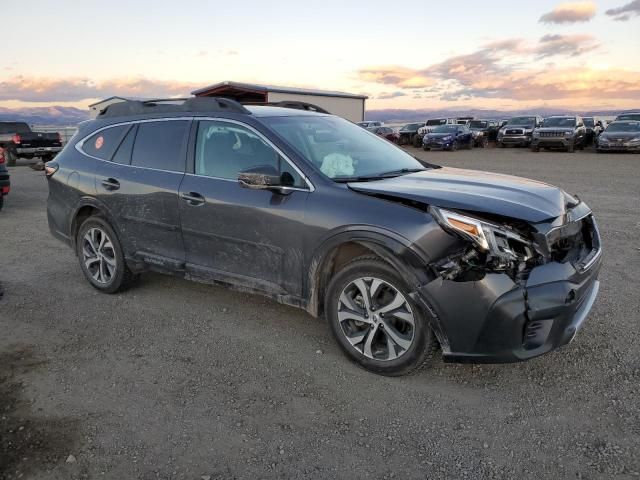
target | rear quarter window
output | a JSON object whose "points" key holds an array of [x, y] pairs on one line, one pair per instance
{"points": [[159, 145], [104, 143]]}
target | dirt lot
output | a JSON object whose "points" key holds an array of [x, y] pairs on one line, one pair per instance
{"points": [[179, 380]]}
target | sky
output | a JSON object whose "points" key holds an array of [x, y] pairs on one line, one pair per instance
{"points": [[411, 54]]}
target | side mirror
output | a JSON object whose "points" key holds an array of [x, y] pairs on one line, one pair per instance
{"points": [[265, 177]]}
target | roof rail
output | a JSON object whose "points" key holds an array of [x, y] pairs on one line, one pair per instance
{"points": [[166, 105], [291, 104]]}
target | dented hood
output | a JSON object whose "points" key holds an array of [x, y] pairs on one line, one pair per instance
{"points": [[475, 191]]}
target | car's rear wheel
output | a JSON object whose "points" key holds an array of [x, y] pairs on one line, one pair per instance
{"points": [[375, 321], [101, 257]]}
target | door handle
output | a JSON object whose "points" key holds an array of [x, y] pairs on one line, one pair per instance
{"points": [[111, 184], [192, 198]]}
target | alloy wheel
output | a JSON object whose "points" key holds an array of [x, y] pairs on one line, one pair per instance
{"points": [[376, 319], [99, 255]]}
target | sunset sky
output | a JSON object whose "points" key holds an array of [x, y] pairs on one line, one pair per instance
{"points": [[410, 54]]}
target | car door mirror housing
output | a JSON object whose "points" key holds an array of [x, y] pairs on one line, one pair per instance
{"points": [[265, 178]]}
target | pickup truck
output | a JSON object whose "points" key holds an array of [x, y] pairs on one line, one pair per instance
{"points": [[4, 178], [18, 140]]}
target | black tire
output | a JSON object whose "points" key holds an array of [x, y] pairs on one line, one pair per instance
{"points": [[10, 158], [500, 145], [471, 144], [454, 147], [122, 276], [417, 141], [423, 342], [535, 149], [425, 148]]}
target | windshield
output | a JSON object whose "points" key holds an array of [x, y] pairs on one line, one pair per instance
{"points": [[446, 129], [340, 149], [14, 127], [437, 121], [623, 127], [522, 121], [477, 124], [411, 126], [588, 122], [628, 116], [559, 122]]}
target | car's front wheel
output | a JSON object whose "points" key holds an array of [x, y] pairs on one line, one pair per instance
{"points": [[375, 321], [101, 257]]}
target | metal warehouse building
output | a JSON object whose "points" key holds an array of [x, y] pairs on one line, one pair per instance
{"points": [[345, 105]]}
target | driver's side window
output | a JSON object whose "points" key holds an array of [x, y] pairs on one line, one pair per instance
{"points": [[225, 149]]}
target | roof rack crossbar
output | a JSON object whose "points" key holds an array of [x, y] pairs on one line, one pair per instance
{"points": [[291, 104], [167, 105]]}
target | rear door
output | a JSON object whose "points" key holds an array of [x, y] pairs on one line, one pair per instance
{"points": [[235, 234], [140, 183]]}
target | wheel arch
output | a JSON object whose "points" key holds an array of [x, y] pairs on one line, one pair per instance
{"points": [[87, 207]]}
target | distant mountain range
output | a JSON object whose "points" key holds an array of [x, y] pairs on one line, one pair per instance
{"points": [[55, 115], [70, 116], [407, 115]]}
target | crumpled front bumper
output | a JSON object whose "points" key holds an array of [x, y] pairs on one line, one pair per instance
{"points": [[495, 320]]}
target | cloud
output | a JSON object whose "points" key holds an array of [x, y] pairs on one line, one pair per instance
{"points": [[386, 96], [572, 12], [44, 89], [569, 45], [625, 12], [511, 70]]}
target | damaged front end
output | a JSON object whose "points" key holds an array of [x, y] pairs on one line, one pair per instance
{"points": [[514, 290]]}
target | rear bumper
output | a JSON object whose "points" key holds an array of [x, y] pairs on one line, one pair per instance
{"points": [[36, 151], [501, 322]]}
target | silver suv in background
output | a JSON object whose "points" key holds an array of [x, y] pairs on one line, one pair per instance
{"points": [[560, 132], [518, 131]]}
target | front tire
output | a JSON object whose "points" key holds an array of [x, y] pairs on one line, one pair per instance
{"points": [[101, 256], [375, 321]]}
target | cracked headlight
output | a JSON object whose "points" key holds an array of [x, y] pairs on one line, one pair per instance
{"points": [[497, 240]]}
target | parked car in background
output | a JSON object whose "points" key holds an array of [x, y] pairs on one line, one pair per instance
{"points": [[19, 141], [5, 184], [448, 137], [635, 116], [370, 124], [560, 133], [517, 131], [408, 133], [386, 132], [400, 258], [463, 120], [483, 131], [594, 128], [621, 135], [429, 126]]}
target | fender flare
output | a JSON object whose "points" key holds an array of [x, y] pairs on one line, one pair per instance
{"points": [[89, 202]]}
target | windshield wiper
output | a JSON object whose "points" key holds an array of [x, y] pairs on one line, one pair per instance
{"points": [[378, 176]]}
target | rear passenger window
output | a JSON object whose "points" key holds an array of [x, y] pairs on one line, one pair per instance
{"points": [[159, 145], [123, 154], [104, 143]]}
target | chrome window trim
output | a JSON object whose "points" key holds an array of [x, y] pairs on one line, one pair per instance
{"points": [[311, 188]]}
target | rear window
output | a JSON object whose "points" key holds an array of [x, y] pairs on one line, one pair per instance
{"points": [[14, 127], [159, 145], [104, 143], [123, 154]]}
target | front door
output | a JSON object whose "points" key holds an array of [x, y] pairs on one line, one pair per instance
{"points": [[247, 237]]}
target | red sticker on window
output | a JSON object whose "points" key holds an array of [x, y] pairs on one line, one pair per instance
{"points": [[99, 142]]}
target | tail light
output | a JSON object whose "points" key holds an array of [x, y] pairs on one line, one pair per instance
{"points": [[50, 168], [16, 139]]}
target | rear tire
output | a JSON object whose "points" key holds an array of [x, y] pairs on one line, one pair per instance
{"points": [[386, 333], [101, 256]]}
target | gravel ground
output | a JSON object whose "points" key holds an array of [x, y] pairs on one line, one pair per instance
{"points": [[180, 380]]}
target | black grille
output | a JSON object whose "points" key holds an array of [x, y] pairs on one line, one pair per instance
{"points": [[515, 131], [552, 134]]}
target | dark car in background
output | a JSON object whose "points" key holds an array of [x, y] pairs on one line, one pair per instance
{"points": [[408, 133], [5, 184], [369, 124], [559, 132], [483, 131], [307, 208], [621, 136], [386, 132], [19, 141], [518, 131], [448, 137], [634, 116]]}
